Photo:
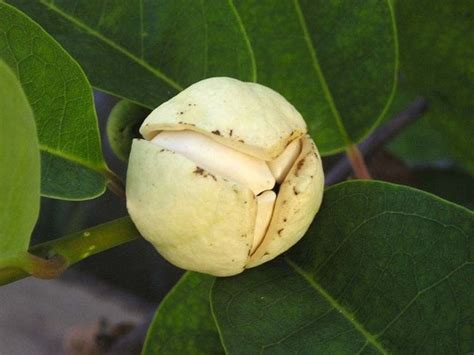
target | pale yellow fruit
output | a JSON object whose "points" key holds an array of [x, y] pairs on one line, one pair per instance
{"points": [[226, 177]]}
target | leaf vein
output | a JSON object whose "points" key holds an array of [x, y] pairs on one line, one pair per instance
{"points": [[246, 39], [419, 293], [155, 71], [98, 168], [308, 324], [319, 73], [346, 314], [142, 32]]}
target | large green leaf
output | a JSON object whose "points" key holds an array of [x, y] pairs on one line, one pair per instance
{"points": [[61, 98], [436, 54], [383, 269], [183, 324], [334, 60], [421, 142], [19, 166]]}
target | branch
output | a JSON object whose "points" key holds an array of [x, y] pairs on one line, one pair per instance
{"points": [[114, 183], [341, 170], [50, 259], [357, 162]]}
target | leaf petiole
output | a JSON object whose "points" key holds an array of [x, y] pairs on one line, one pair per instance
{"points": [[357, 162], [114, 183], [50, 259]]}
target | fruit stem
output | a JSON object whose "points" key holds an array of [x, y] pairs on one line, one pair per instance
{"points": [[48, 260], [357, 162], [380, 137], [114, 183]]}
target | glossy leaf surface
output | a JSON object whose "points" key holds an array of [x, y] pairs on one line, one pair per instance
{"points": [[335, 61], [61, 99], [19, 166], [421, 142], [436, 54], [383, 269], [183, 323]]}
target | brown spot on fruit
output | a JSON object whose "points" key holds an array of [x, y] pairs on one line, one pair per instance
{"points": [[280, 231], [203, 173], [295, 191], [299, 165], [198, 171], [216, 132], [186, 123], [231, 132]]}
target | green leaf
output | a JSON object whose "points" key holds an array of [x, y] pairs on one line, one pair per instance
{"points": [[183, 324], [19, 166], [60, 96], [383, 269], [421, 142], [436, 54], [334, 60], [123, 126]]}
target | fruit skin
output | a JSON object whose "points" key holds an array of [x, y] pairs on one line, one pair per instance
{"points": [[202, 221], [123, 124], [196, 220], [298, 200], [248, 117]]}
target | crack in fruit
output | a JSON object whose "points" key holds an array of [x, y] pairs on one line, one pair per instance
{"points": [[213, 158]]}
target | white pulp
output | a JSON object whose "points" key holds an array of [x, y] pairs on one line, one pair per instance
{"points": [[256, 174], [218, 159], [283, 163], [265, 203]]}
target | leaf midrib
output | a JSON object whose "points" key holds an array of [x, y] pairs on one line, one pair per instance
{"points": [[372, 339], [155, 71], [359, 327], [98, 168], [319, 73], [246, 39], [158, 73]]}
